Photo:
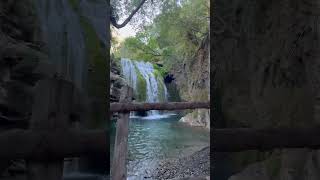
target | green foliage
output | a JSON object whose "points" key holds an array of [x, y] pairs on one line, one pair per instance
{"points": [[174, 36], [162, 70], [141, 47]]}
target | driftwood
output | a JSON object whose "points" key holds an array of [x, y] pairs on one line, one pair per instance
{"points": [[233, 140], [126, 107], [119, 169]]}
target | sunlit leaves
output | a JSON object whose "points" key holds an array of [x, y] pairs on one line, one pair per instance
{"points": [[174, 35]]}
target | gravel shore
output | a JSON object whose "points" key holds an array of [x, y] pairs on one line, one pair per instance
{"points": [[195, 165]]}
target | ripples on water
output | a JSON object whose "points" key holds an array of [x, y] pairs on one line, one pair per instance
{"points": [[152, 139]]}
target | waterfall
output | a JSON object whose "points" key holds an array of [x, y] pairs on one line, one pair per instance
{"points": [[136, 71]]}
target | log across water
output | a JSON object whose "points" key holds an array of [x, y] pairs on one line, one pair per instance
{"points": [[126, 107]]}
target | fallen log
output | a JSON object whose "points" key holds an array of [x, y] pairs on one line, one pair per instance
{"points": [[241, 139], [52, 145], [126, 107]]}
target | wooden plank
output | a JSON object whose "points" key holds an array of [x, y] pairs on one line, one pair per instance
{"points": [[119, 169], [241, 139], [51, 145], [126, 107], [51, 111]]}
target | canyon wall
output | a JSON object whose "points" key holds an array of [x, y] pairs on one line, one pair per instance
{"points": [[266, 65]]}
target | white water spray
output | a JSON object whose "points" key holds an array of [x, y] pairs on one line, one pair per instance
{"points": [[130, 70]]}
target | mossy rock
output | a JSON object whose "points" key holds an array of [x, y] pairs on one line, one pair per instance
{"points": [[97, 74], [161, 85], [141, 93], [162, 71]]}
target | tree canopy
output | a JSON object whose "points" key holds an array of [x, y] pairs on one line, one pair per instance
{"points": [[174, 35]]}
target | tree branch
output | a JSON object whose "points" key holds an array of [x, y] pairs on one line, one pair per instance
{"points": [[115, 24]]}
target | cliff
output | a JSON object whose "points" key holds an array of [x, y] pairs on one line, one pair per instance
{"points": [[193, 82], [40, 39], [266, 75]]}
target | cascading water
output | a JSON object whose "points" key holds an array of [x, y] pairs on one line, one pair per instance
{"points": [[137, 71], [151, 142]]}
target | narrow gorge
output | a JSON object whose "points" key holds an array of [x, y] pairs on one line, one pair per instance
{"points": [[157, 136]]}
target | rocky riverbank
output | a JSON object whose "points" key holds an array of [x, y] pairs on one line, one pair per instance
{"points": [[195, 165]]}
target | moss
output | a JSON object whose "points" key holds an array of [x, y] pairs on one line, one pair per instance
{"points": [[163, 72], [97, 64], [141, 93], [161, 91], [74, 4]]}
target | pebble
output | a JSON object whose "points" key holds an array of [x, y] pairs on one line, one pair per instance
{"points": [[196, 165]]}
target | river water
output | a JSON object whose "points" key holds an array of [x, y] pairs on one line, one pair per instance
{"points": [[158, 135], [155, 138]]}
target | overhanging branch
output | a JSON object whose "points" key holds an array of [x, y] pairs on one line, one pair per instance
{"points": [[115, 24]]}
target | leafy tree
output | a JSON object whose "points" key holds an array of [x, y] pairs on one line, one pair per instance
{"points": [[174, 36]]}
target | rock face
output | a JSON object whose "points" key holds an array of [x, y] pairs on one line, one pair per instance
{"points": [[193, 81], [266, 75], [197, 118], [40, 39], [116, 81], [22, 63], [21, 57]]}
